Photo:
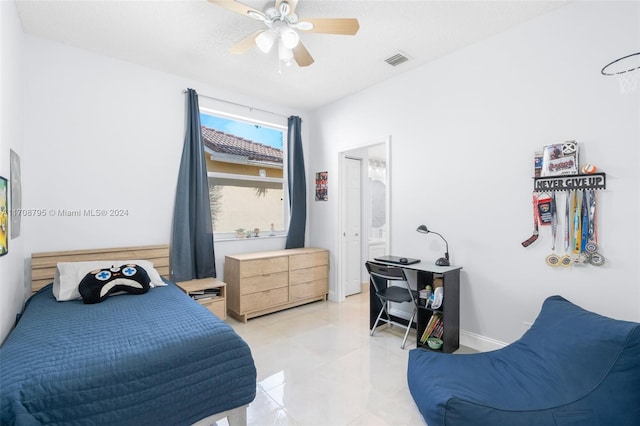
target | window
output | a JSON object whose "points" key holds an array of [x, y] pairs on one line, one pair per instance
{"points": [[245, 170]]}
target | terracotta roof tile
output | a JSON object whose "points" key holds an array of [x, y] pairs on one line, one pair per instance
{"points": [[222, 142]]}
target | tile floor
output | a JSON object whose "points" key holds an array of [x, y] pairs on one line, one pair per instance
{"points": [[317, 365]]}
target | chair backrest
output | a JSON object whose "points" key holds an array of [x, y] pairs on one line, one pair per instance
{"points": [[386, 272], [380, 273]]}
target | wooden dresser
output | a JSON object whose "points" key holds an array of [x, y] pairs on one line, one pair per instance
{"points": [[265, 282]]}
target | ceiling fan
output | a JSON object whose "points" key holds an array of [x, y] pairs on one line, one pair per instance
{"points": [[282, 25]]}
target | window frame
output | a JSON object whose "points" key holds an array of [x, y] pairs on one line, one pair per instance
{"points": [[253, 178]]}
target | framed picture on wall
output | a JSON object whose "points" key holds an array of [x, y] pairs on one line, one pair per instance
{"points": [[322, 180], [4, 217], [16, 194]]}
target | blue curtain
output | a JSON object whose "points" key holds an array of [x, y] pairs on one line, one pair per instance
{"points": [[297, 185], [191, 250]]}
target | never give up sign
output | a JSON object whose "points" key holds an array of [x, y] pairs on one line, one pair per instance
{"points": [[569, 183]]}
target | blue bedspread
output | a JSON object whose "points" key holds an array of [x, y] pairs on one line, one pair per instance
{"points": [[157, 358]]}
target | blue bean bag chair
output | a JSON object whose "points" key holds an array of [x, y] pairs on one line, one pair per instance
{"points": [[572, 367]]}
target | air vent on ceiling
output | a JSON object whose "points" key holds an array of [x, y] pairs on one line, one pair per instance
{"points": [[397, 59]]}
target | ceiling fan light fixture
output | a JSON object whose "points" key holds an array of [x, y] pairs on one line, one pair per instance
{"points": [[289, 37], [284, 8], [284, 53], [265, 41]]}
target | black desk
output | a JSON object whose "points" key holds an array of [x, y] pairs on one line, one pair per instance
{"points": [[427, 272]]}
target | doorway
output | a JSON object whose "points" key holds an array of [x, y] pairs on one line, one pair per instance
{"points": [[352, 196], [364, 212]]}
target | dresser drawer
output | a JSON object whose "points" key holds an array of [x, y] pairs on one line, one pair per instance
{"points": [[306, 260], [265, 299], [265, 282], [310, 289], [308, 274], [270, 265]]}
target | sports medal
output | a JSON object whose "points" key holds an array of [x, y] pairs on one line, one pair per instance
{"points": [[595, 258], [592, 245], [553, 259], [584, 225]]}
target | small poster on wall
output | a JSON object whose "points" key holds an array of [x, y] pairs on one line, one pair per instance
{"points": [[4, 217], [560, 159], [321, 186]]}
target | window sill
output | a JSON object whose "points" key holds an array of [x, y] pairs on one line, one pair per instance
{"points": [[266, 237]]}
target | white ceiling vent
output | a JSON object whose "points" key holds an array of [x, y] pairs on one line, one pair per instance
{"points": [[397, 59]]}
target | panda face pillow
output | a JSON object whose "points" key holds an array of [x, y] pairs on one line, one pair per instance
{"points": [[97, 285]]}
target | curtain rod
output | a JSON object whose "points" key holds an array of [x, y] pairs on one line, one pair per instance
{"points": [[240, 105]]}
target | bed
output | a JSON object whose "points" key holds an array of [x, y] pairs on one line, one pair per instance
{"points": [[152, 358]]}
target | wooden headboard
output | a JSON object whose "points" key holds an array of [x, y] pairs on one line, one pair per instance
{"points": [[43, 265]]}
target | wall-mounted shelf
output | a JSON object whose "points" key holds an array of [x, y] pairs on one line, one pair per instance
{"points": [[570, 182]]}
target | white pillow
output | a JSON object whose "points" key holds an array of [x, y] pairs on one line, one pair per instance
{"points": [[69, 274]]}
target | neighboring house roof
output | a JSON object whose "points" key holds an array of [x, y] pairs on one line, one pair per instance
{"points": [[224, 143]]}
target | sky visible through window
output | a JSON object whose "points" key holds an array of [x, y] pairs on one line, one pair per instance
{"points": [[252, 132]]}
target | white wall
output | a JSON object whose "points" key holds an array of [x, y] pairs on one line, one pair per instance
{"points": [[12, 264], [464, 130], [106, 134]]}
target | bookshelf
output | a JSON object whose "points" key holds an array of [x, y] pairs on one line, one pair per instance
{"points": [[444, 321]]}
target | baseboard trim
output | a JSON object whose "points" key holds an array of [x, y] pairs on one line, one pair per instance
{"points": [[480, 343]]}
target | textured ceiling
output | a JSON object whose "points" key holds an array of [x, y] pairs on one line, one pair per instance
{"points": [[191, 38]]}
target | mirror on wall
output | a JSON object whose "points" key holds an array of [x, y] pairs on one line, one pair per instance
{"points": [[376, 204], [377, 177]]}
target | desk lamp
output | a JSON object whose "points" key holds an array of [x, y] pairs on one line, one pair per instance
{"points": [[443, 261]]}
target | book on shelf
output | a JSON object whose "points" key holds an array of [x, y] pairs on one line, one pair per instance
{"points": [[205, 295], [435, 319], [204, 298], [438, 330], [427, 330]]}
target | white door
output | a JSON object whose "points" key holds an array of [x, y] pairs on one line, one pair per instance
{"points": [[352, 217]]}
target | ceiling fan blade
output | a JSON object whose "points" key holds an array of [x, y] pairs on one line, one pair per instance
{"points": [[302, 56], [292, 5], [344, 26], [245, 44], [240, 8]]}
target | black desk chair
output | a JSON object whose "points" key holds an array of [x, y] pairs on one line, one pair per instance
{"points": [[381, 276]]}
